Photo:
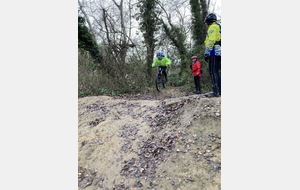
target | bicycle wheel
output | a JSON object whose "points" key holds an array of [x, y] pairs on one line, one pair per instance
{"points": [[158, 82]]}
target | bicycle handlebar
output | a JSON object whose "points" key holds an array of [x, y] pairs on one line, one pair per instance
{"points": [[159, 66]]}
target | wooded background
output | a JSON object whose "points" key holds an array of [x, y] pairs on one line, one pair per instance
{"points": [[118, 41]]}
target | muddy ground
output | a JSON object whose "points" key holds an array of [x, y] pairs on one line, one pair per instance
{"points": [[167, 140]]}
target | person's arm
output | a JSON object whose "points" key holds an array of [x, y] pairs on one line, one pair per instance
{"points": [[168, 61], [210, 39], [153, 64]]}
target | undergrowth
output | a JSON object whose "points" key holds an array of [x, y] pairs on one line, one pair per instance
{"points": [[131, 77]]}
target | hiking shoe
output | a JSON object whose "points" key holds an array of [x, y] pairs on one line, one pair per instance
{"points": [[198, 92], [195, 91], [212, 94], [208, 93]]}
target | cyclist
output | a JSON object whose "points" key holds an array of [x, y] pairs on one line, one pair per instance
{"points": [[213, 53], [163, 62]]}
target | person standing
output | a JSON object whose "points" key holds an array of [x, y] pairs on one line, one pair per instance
{"points": [[212, 53], [162, 61], [196, 68]]}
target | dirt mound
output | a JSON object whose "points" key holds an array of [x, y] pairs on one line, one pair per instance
{"points": [[154, 94], [167, 140]]}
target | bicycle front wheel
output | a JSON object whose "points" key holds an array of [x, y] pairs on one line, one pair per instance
{"points": [[158, 82]]}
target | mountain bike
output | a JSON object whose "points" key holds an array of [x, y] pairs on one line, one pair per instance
{"points": [[160, 79]]}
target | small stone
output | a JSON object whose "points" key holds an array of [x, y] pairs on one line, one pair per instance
{"points": [[96, 181], [119, 159]]}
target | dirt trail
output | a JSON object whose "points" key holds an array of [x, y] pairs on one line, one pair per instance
{"points": [[167, 140]]}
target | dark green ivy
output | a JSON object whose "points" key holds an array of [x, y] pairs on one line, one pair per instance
{"points": [[197, 23], [86, 40]]}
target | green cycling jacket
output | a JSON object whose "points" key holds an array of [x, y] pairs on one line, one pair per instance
{"points": [[164, 61]]}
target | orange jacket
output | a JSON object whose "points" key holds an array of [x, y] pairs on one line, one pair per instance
{"points": [[196, 68]]}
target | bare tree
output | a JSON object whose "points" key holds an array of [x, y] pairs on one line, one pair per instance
{"points": [[81, 7], [116, 29]]}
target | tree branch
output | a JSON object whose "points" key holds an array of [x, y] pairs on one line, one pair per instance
{"points": [[87, 19]]}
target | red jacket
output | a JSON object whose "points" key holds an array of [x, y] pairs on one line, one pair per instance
{"points": [[196, 68]]}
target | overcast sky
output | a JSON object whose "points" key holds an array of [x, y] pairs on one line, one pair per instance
{"points": [[217, 7]]}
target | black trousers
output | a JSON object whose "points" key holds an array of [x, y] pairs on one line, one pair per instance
{"points": [[197, 83], [214, 67]]}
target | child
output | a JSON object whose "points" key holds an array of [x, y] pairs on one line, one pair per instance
{"points": [[196, 68]]}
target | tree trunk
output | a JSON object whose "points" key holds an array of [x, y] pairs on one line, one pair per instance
{"points": [[123, 44], [204, 13], [150, 52]]}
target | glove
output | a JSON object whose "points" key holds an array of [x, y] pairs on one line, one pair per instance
{"points": [[191, 66], [201, 70], [206, 57]]}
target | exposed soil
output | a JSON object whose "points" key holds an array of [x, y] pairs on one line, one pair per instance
{"points": [[152, 140]]}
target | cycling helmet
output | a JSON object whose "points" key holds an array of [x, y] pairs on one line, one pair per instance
{"points": [[160, 54], [210, 18], [194, 57]]}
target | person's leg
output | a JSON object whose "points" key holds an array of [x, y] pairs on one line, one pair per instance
{"points": [[210, 73], [213, 71], [199, 86], [195, 81], [218, 73], [165, 73]]}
